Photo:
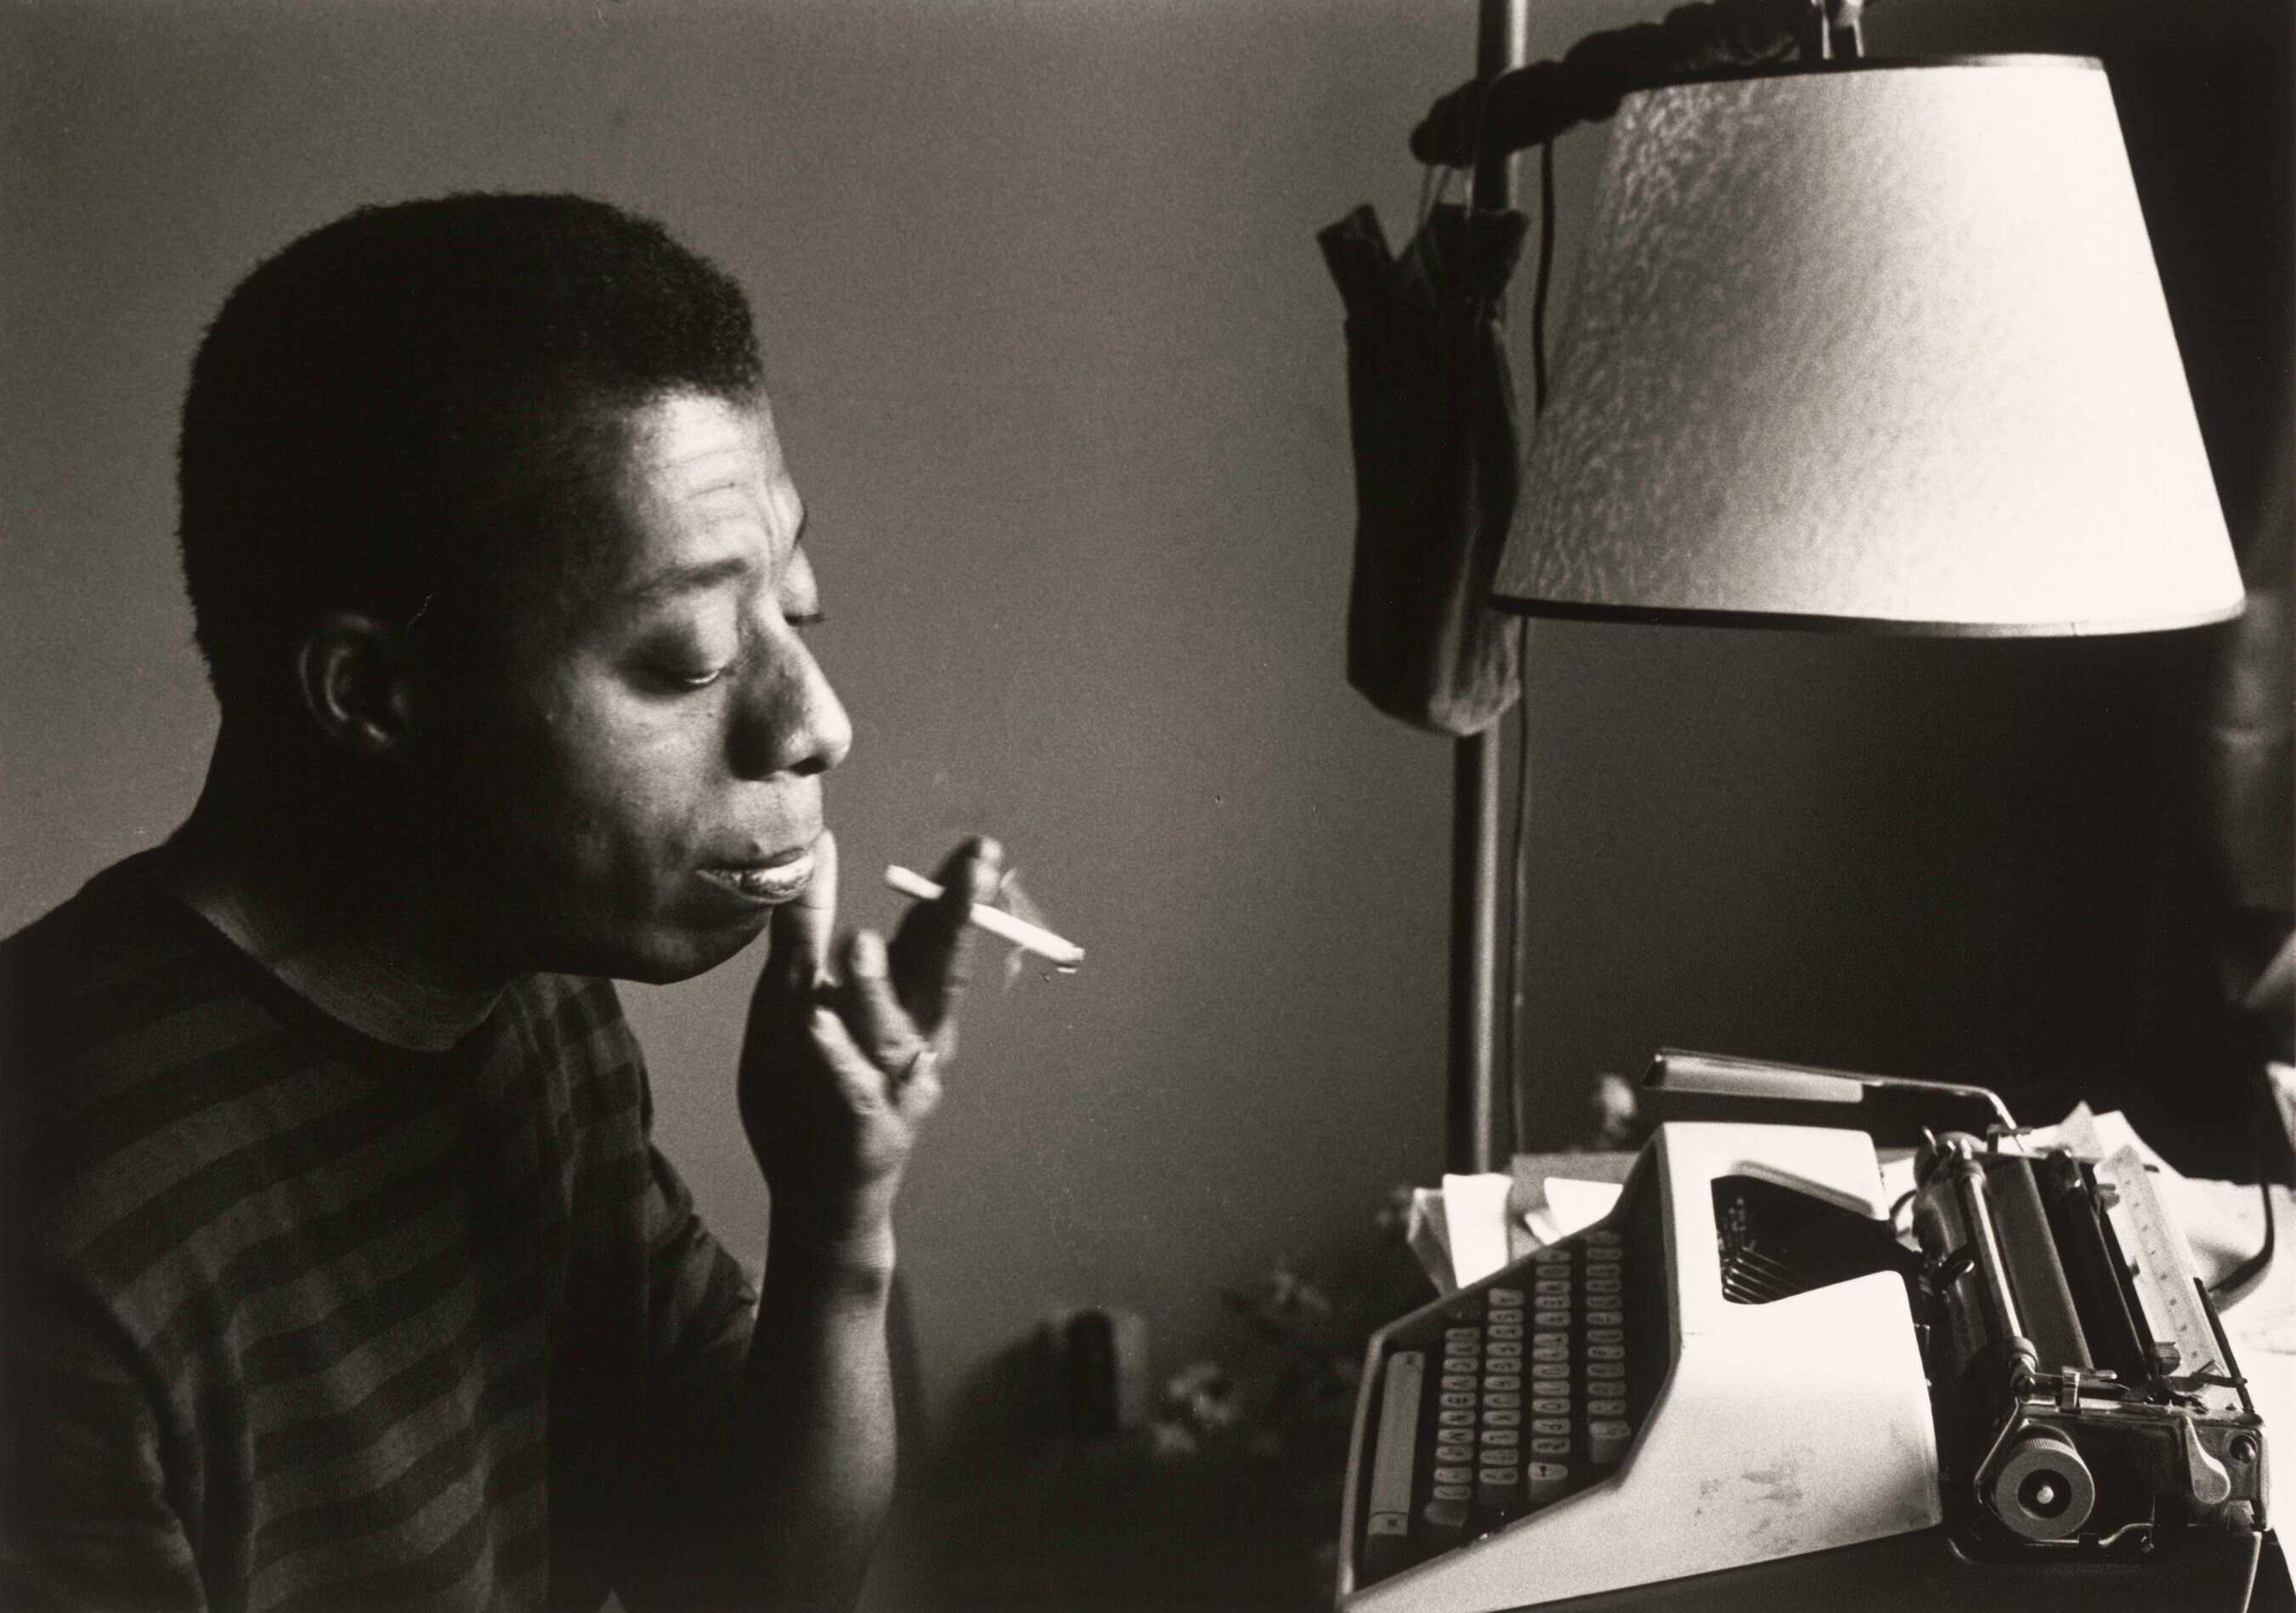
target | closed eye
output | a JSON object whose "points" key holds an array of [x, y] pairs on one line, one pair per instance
{"points": [[679, 680]]}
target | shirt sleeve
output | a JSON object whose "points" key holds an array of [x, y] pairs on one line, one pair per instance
{"points": [[85, 1521], [701, 1307], [694, 1308], [700, 1312]]}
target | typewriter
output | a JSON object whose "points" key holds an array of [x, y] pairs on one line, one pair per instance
{"points": [[1757, 1382]]}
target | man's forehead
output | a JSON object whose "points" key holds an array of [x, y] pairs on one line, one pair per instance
{"points": [[689, 445], [704, 478]]}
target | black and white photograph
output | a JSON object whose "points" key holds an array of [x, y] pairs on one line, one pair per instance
{"points": [[1302, 806]]}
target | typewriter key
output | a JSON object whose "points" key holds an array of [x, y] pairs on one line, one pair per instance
{"points": [[1446, 1515]]}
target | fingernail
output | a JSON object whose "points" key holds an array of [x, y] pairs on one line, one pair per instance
{"points": [[986, 850], [867, 958]]}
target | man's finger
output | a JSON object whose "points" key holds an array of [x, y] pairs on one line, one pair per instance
{"points": [[857, 1077], [917, 1094], [800, 930], [865, 999], [931, 948]]}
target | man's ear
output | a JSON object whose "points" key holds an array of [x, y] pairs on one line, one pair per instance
{"points": [[357, 678]]}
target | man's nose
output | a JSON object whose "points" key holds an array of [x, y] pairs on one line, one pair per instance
{"points": [[788, 720]]}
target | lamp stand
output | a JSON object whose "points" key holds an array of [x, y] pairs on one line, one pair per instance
{"points": [[1478, 1118]]}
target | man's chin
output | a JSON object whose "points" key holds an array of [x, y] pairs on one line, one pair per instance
{"points": [[667, 955]]}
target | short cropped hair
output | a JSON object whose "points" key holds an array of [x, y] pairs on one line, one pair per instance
{"points": [[415, 397]]}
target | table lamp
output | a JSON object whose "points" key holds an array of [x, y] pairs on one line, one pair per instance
{"points": [[1871, 347]]}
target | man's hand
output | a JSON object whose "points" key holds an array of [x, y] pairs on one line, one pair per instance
{"points": [[837, 1073], [841, 1067]]}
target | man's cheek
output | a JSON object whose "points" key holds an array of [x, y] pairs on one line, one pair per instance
{"points": [[632, 827]]}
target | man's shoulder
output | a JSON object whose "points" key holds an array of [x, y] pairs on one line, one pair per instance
{"points": [[132, 1062], [94, 976], [130, 1045], [123, 982], [152, 1071]]}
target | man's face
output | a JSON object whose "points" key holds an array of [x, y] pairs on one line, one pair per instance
{"points": [[640, 784]]}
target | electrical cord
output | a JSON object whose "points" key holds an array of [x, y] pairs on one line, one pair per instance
{"points": [[2242, 1279]]}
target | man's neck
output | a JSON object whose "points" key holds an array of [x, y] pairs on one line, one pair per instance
{"points": [[369, 942]]}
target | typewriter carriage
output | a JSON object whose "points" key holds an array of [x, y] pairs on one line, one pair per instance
{"points": [[2006, 1373]]}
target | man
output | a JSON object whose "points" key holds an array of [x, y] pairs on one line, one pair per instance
{"points": [[340, 1271]]}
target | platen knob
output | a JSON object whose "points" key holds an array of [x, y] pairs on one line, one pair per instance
{"points": [[2041, 1488]]}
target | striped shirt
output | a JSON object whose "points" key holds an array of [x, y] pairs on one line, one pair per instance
{"points": [[293, 1318]]}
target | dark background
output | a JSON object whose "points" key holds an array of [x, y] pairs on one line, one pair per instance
{"points": [[1059, 371]]}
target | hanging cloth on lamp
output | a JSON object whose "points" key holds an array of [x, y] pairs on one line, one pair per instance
{"points": [[1432, 415]]}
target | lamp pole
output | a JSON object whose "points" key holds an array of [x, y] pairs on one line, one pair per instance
{"points": [[1475, 1120]]}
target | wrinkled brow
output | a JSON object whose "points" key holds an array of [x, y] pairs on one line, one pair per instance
{"points": [[685, 579]]}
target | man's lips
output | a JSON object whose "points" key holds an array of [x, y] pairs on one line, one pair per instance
{"points": [[766, 881]]}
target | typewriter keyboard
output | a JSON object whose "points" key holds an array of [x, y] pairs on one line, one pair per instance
{"points": [[1524, 1398]]}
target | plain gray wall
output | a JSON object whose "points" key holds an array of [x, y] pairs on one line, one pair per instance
{"points": [[1060, 374], [1051, 352]]}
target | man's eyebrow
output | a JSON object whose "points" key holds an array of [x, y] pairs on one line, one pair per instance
{"points": [[686, 580], [741, 484]]}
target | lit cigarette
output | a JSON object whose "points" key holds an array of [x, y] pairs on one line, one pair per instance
{"points": [[1020, 931]]}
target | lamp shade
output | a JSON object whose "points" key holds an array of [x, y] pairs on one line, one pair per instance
{"points": [[1876, 346]]}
